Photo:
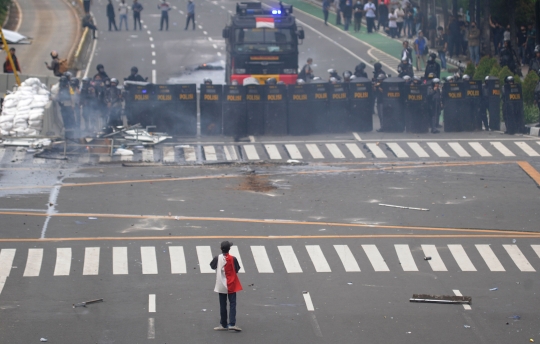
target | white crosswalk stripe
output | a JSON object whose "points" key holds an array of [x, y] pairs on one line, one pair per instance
{"points": [[318, 259], [480, 149], [148, 155], [461, 258], [460, 151], [405, 258], [189, 154], [490, 258], [261, 259], [230, 153], [377, 152], [347, 258], [273, 152], [251, 152], [435, 262], [314, 151], [335, 151], [168, 154], [437, 149], [398, 151], [63, 261], [527, 149], [120, 261], [502, 148], [235, 253], [91, 261], [289, 259], [536, 249], [148, 260], [293, 151], [178, 260], [519, 259], [204, 254], [210, 153], [33, 262], [355, 150], [375, 258], [418, 150], [6, 261]]}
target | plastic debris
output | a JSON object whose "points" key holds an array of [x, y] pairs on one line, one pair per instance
{"points": [[92, 218], [466, 326], [292, 161], [493, 289], [43, 340], [515, 317], [204, 310], [427, 258], [83, 304], [349, 283], [531, 340], [402, 207], [513, 241]]}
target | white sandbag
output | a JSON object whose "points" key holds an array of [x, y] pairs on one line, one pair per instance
{"points": [[10, 103], [37, 124], [31, 132], [6, 118], [35, 116], [23, 109], [22, 116], [24, 102], [11, 96], [121, 151], [38, 104], [6, 125], [41, 97], [4, 132], [10, 111]]}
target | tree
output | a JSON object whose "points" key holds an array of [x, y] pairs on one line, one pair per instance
{"points": [[504, 73], [528, 88], [495, 70], [470, 70], [484, 66]]}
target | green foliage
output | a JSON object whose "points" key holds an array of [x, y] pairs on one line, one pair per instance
{"points": [[495, 70], [528, 88], [524, 11], [517, 79], [504, 73], [4, 4], [470, 70], [484, 66], [530, 113]]}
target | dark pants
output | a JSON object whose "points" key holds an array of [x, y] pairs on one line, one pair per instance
{"points": [[93, 28], [347, 22], [112, 22], [399, 28], [190, 18], [223, 309], [357, 24], [325, 13], [338, 17], [136, 19], [164, 19], [370, 24]]}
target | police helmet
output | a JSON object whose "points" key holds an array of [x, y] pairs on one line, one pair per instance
{"points": [[99, 66], [74, 82], [361, 66], [114, 81], [431, 75], [436, 81], [466, 77], [317, 78], [207, 81], [280, 82], [537, 49], [432, 56], [416, 78], [486, 78], [134, 70], [509, 79], [347, 74], [86, 80], [333, 80], [450, 78], [377, 65], [271, 81], [331, 71], [300, 81], [107, 82], [68, 75], [381, 77], [352, 77], [406, 78]]}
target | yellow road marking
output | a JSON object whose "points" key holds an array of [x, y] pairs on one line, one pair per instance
{"points": [[531, 171]]}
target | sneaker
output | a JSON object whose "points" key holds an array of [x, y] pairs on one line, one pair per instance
{"points": [[234, 328], [435, 131], [220, 328]]}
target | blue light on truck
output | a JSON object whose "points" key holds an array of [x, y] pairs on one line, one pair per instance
{"points": [[276, 11]]}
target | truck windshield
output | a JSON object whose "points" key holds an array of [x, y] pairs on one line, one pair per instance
{"points": [[263, 40]]}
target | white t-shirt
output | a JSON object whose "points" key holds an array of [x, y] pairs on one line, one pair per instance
{"points": [[392, 20], [369, 9], [123, 9], [400, 15]]}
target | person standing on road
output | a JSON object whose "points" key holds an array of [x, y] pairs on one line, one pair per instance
{"points": [[325, 10], [406, 52], [435, 104], [400, 19], [382, 9], [369, 10], [227, 285], [358, 10], [432, 67], [441, 44], [137, 9], [89, 23], [86, 5], [392, 24], [7, 64], [474, 43], [134, 75], [111, 16], [347, 14], [337, 6], [55, 64], [165, 8], [420, 45], [306, 73], [123, 10], [190, 14]]}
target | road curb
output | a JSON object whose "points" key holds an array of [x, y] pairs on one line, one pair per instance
{"points": [[534, 131]]}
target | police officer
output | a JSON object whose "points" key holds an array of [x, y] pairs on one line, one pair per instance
{"points": [[89, 101], [379, 96], [466, 77], [508, 57], [377, 71], [435, 104], [101, 74], [405, 68], [416, 80], [76, 101], [307, 72], [300, 81], [484, 104], [333, 80], [333, 74], [359, 70], [65, 102], [347, 76], [408, 80], [207, 81], [508, 114], [433, 67], [271, 81], [534, 64], [134, 75], [113, 99]]}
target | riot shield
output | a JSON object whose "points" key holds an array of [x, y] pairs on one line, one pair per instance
{"points": [[210, 101], [416, 109], [299, 119], [472, 103], [185, 116], [234, 111], [393, 105], [494, 103], [255, 109], [361, 105], [319, 106], [452, 94], [139, 106], [275, 110]]}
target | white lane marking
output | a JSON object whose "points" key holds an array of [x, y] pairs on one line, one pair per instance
{"points": [[317, 257], [204, 32], [120, 261], [273, 152], [459, 149], [91, 58], [347, 258], [151, 39], [357, 137], [33, 262], [189, 154], [230, 153], [293, 151], [145, 27], [235, 253], [502, 148], [151, 303], [168, 154], [210, 153], [437, 149], [436, 262], [218, 53], [149, 32], [490, 258], [153, 62], [335, 151], [458, 293], [153, 53], [536, 249], [152, 46], [178, 260], [2, 283], [419, 151], [148, 154], [398, 151], [222, 7], [215, 46], [527, 149], [151, 329], [210, 39], [377, 152], [519, 259], [375, 258], [91, 261], [289, 259], [200, 26], [174, 7], [461, 258], [148, 260], [479, 149], [181, 12], [405, 258], [355, 150], [251, 152], [261, 260], [309, 303], [204, 254], [314, 151], [63, 261]]}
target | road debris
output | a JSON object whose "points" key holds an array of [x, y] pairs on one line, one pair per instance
{"points": [[450, 299], [402, 207], [92, 218], [515, 317], [493, 289], [427, 258], [43, 340], [466, 326], [83, 304]]}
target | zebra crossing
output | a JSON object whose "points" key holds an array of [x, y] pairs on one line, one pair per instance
{"points": [[147, 260], [339, 151]]}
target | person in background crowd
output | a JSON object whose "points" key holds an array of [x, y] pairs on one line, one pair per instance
{"points": [[55, 64], [474, 44], [337, 6], [359, 70], [137, 9], [409, 21], [420, 45], [432, 67], [392, 24], [358, 10], [7, 65], [404, 68], [326, 9], [507, 35], [508, 58], [111, 16], [521, 41], [441, 44], [306, 73], [454, 38], [531, 40], [534, 63], [383, 16], [190, 14], [123, 10], [88, 22], [497, 34], [134, 75], [165, 8], [369, 10], [400, 19], [86, 5], [407, 52], [347, 14], [463, 26], [419, 20]]}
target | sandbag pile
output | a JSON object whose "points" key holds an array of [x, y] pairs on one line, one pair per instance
{"points": [[22, 111]]}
